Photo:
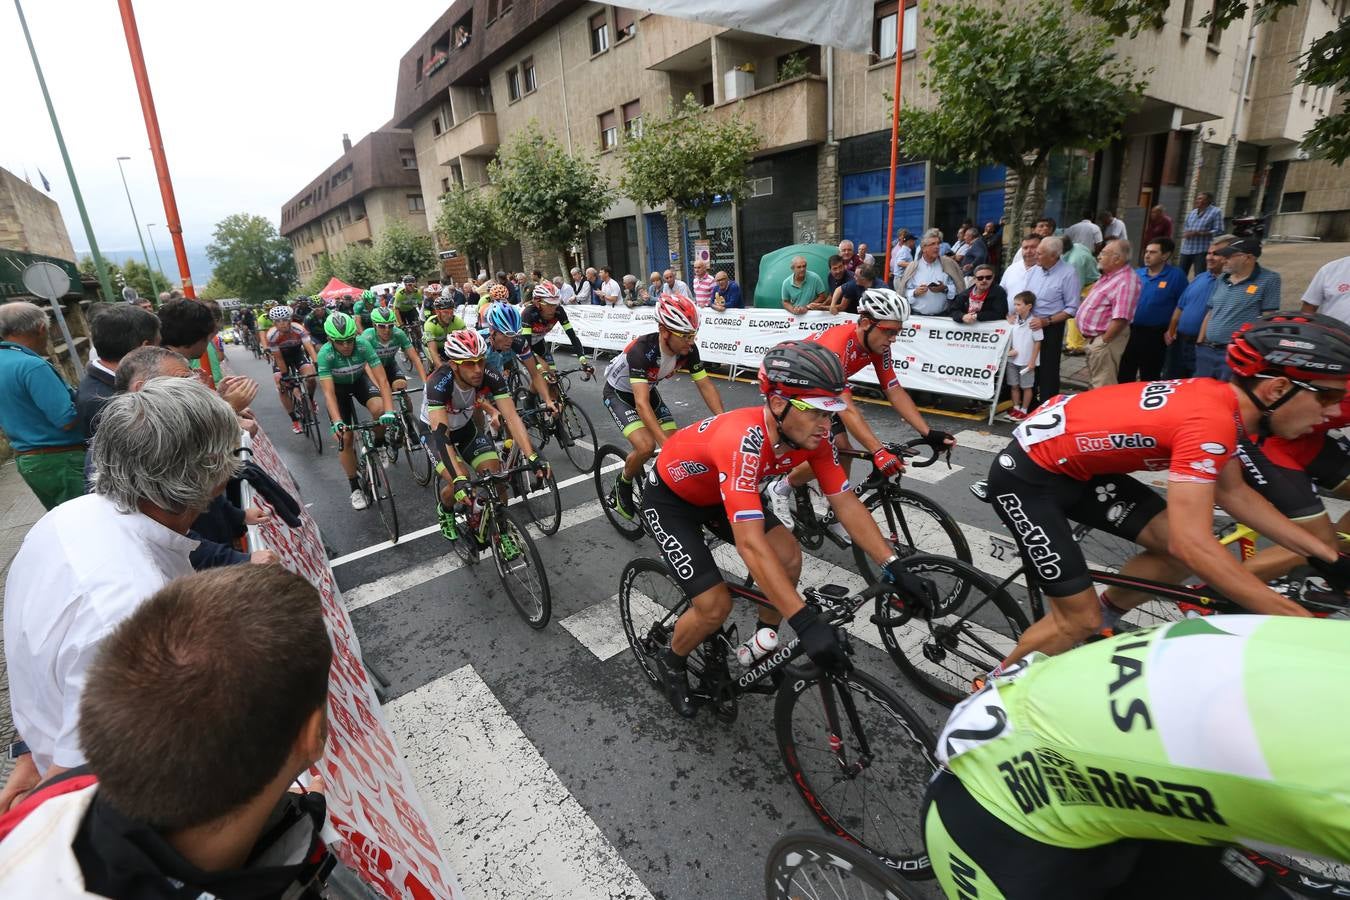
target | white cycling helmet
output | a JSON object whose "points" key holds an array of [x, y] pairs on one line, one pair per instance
{"points": [[883, 305], [464, 345], [545, 292], [283, 313]]}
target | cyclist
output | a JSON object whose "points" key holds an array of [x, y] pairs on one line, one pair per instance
{"points": [[387, 339], [314, 324], [455, 394], [1126, 768], [349, 370], [429, 295], [1071, 459], [443, 322], [537, 320], [264, 326], [508, 349], [857, 344], [498, 293], [362, 308], [707, 475], [292, 351], [630, 389], [407, 301]]}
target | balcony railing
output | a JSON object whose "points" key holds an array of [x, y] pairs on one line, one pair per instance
{"points": [[787, 115], [473, 136]]}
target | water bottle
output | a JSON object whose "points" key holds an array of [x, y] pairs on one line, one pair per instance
{"points": [[764, 641]]}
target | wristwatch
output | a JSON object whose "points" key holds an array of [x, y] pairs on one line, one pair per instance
{"points": [[17, 749]]}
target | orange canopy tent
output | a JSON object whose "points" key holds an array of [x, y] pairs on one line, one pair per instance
{"points": [[336, 289]]}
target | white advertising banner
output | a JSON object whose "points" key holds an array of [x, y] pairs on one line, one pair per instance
{"points": [[720, 335]]}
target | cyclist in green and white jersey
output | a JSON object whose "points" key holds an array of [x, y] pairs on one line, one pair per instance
{"points": [[408, 301], [387, 339], [1125, 767], [442, 322], [349, 370]]}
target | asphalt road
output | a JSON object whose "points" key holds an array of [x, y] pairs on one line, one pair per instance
{"points": [[547, 763]]}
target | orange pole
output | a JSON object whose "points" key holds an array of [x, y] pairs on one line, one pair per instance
{"points": [[895, 138]]}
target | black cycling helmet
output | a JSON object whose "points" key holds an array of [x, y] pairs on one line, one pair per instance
{"points": [[408, 279], [1297, 346], [805, 372]]}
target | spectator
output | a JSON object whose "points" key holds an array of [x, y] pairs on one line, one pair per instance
{"points": [[528, 284], [580, 289], [652, 292], [1104, 315], [867, 258], [703, 283], [673, 285], [37, 408], [1019, 268], [1329, 291], [115, 329], [1045, 226], [983, 301], [632, 295], [903, 252], [1057, 288], [1024, 350], [192, 673], [1190, 313], [1082, 260], [185, 326], [846, 298], [593, 278], [838, 277], [161, 454], [931, 280], [727, 293], [1111, 226], [1162, 284], [1202, 225], [944, 248], [1085, 233], [1158, 225], [1242, 294], [145, 363], [504, 279], [851, 259], [801, 289], [976, 253], [565, 292], [959, 248], [993, 239], [610, 293]]}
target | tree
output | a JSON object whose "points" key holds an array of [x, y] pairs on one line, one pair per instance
{"points": [[214, 290], [555, 198], [147, 282], [473, 223], [402, 251], [1326, 64], [357, 265], [251, 260], [688, 159], [1011, 90]]}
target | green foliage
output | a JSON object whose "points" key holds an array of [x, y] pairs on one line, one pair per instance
{"points": [[473, 223], [357, 265], [134, 274], [688, 158], [555, 198], [401, 251], [793, 66], [1011, 90], [251, 260], [1326, 64], [214, 290]]}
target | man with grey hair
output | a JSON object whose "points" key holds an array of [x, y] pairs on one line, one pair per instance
{"points": [[581, 288], [37, 408], [1058, 291], [161, 454], [145, 363]]}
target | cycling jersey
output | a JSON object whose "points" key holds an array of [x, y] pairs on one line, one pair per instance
{"points": [[398, 340], [722, 460], [501, 361], [408, 299], [433, 330], [1189, 428], [347, 369], [843, 340], [459, 402], [294, 336], [1213, 730], [314, 325], [533, 323], [644, 361]]}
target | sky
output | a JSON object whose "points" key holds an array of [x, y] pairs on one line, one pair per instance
{"points": [[253, 98]]}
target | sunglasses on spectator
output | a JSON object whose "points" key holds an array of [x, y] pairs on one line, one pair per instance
{"points": [[984, 277]]}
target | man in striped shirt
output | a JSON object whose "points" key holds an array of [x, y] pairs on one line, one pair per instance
{"points": [[1104, 315], [703, 283], [1203, 224]]}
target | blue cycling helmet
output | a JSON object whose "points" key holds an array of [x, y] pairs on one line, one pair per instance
{"points": [[503, 317]]}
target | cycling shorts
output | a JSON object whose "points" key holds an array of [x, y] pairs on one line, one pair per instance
{"points": [[543, 350], [361, 391], [1294, 491], [623, 410], [677, 526], [473, 445], [975, 854], [293, 355], [393, 372], [408, 316], [1036, 506]]}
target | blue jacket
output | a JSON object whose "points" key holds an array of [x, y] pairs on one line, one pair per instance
{"points": [[37, 407]]}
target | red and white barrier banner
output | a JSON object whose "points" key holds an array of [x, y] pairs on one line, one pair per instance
{"points": [[372, 801]]}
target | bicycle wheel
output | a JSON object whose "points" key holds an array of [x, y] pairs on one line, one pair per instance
{"points": [[465, 544], [418, 461], [311, 423], [520, 568], [576, 435], [861, 761], [381, 495], [609, 462], [913, 524], [540, 493], [1302, 876], [811, 865], [971, 630], [649, 603]]}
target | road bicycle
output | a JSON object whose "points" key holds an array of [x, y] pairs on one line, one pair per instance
{"points": [[538, 491], [816, 865], [410, 438], [571, 427], [857, 755], [251, 342], [487, 523], [609, 462], [306, 412], [370, 475]]}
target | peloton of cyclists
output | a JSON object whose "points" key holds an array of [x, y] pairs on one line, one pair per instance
{"points": [[508, 349], [539, 318]]}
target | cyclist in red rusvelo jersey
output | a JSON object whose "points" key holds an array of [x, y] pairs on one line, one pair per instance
{"points": [[1071, 458], [707, 475], [858, 345]]}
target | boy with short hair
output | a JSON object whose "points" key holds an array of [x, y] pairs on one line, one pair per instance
{"points": [[1024, 349]]}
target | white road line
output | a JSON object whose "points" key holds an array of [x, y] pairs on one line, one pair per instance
{"points": [[932, 474], [981, 440], [479, 775], [432, 529], [598, 627]]}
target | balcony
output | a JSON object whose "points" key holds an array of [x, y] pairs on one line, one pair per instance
{"points": [[357, 232], [787, 115], [474, 136], [673, 45]]}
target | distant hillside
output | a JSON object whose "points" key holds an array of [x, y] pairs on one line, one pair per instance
{"points": [[197, 261]]}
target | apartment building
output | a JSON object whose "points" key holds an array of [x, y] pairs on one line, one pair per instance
{"points": [[588, 73], [373, 183]]}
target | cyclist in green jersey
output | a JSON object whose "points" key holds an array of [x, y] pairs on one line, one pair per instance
{"points": [[408, 301], [387, 339], [440, 324], [362, 307], [349, 370], [1125, 767]]}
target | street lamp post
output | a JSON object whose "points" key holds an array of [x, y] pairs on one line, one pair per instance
{"points": [[158, 265], [135, 222]]}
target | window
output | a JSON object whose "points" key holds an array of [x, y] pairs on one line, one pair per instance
{"points": [[506, 7], [527, 76], [884, 23], [492, 11], [436, 126], [408, 158], [457, 174], [708, 93], [1213, 36], [1292, 203], [609, 131], [445, 185], [419, 70], [415, 203], [599, 24], [512, 84], [1188, 14], [632, 119], [625, 25]]}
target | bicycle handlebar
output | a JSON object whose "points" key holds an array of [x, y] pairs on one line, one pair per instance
{"points": [[907, 452]]}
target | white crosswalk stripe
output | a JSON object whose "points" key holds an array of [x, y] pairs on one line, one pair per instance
{"points": [[981, 440]]}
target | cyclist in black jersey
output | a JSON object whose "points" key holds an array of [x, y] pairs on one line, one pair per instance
{"points": [[540, 317]]}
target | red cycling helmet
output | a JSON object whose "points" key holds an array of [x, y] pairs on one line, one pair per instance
{"points": [[1296, 345], [678, 313]]}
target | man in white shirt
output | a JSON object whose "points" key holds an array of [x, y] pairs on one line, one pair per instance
{"points": [[610, 292], [161, 454], [1111, 226], [927, 282], [1329, 291], [1014, 279], [581, 288], [673, 285], [1085, 232], [565, 292]]}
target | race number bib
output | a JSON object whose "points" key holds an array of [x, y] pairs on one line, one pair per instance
{"points": [[1050, 421], [981, 717]]}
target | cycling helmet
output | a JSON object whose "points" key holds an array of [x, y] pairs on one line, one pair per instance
{"points": [[806, 371], [1295, 345], [331, 303], [500, 292], [280, 313], [302, 299], [408, 279], [464, 345], [677, 313], [443, 302], [340, 327], [367, 295], [432, 288], [503, 317], [883, 305], [381, 316], [545, 292]]}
